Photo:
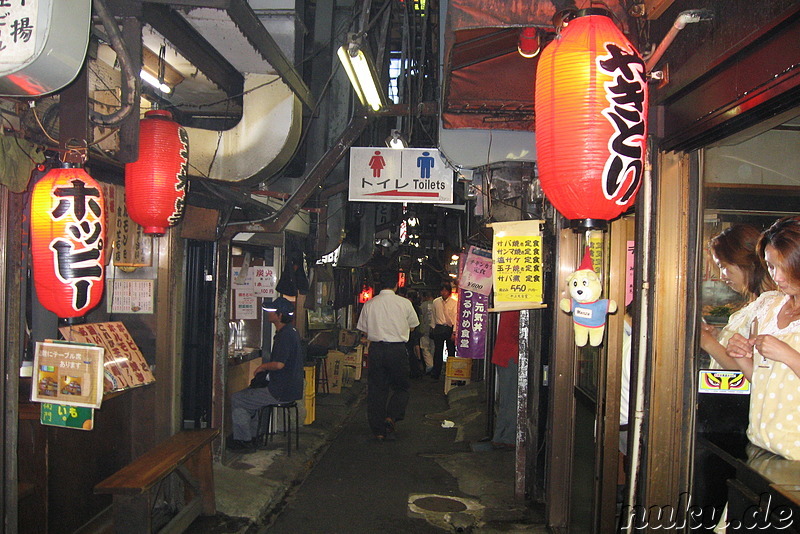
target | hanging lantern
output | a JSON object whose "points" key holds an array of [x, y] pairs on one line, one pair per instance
{"points": [[68, 237], [591, 111], [365, 295], [155, 184]]}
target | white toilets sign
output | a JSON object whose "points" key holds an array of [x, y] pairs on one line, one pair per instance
{"points": [[399, 175]]}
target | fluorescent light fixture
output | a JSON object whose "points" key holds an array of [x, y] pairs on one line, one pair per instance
{"points": [[152, 80], [362, 75]]}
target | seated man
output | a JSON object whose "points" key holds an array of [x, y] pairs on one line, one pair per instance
{"points": [[285, 376]]}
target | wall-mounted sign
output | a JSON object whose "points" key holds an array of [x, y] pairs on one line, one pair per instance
{"points": [[517, 265], [400, 175], [124, 364], [131, 296], [477, 272], [723, 382], [66, 416], [68, 373]]}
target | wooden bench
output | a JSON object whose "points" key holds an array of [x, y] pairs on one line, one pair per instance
{"points": [[135, 486]]}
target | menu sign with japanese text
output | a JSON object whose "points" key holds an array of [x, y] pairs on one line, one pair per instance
{"points": [[18, 33], [477, 272], [68, 373], [517, 265], [124, 365], [399, 175], [473, 308]]}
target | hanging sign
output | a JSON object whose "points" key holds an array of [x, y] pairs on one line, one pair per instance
{"points": [[477, 272], [68, 373], [473, 308], [18, 33], [264, 281], [399, 175], [517, 265]]}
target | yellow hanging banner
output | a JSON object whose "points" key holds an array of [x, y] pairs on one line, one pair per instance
{"points": [[517, 265]]}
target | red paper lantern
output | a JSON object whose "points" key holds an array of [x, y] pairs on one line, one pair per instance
{"points": [[365, 295], [68, 237], [591, 111], [155, 184]]}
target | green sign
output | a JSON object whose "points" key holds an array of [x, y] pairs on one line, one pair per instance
{"points": [[67, 416]]}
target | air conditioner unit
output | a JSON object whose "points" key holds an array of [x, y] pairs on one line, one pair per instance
{"points": [[43, 45]]}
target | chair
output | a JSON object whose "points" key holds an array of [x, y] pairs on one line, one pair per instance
{"points": [[265, 419], [319, 353]]}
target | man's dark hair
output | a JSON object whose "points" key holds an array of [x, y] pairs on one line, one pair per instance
{"points": [[446, 285], [286, 317], [388, 279]]}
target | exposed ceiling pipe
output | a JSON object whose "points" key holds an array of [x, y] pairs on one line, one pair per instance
{"points": [[129, 77], [260, 144], [311, 182], [689, 16]]}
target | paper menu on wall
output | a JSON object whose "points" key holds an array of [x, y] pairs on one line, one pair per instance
{"points": [[68, 373]]}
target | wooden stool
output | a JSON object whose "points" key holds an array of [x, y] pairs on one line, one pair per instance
{"points": [[265, 419]]}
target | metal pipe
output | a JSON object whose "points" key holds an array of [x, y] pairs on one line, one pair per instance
{"points": [[128, 76], [689, 16], [641, 347]]}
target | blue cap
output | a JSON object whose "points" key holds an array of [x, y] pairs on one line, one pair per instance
{"points": [[279, 305]]}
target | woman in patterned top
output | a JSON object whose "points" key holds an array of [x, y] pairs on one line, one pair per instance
{"points": [[740, 267], [768, 349]]}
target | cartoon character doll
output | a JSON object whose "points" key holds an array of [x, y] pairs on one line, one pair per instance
{"points": [[587, 308]]}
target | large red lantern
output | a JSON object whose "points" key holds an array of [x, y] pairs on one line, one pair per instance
{"points": [[591, 111], [68, 238], [155, 184]]}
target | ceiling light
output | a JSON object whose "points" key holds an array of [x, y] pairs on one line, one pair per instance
{"points": [[152, 80], [528, 45], [361, 72], [396, 140]]}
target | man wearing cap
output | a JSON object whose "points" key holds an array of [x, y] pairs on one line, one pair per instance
{"points": [[286, 375], [387, 320]]}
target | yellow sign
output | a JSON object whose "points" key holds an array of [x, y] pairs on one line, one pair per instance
{"points": [[517, 265], [725, 382]]}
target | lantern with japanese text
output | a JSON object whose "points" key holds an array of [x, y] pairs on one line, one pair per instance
{"points": [[591, 111], [155, 184], [68, 237]]}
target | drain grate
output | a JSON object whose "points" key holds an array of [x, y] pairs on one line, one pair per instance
{"points": [[440, 504]]}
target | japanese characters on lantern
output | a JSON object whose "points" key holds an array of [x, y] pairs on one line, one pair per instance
{"points": [[591, 112], [156, 183], [68, 238]]}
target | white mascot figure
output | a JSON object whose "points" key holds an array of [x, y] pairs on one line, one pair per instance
{"points": [[587, 308]]}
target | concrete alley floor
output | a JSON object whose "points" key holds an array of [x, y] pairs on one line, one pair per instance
{"points": [[430, 479]]}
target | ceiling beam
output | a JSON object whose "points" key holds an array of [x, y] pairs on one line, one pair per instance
{"points": [[191, 45], [257, 35]]}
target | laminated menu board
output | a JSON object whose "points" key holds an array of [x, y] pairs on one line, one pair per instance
{"points": [[68, 373], [124, 366]]}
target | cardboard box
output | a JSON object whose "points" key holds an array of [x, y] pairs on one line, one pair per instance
{"points": [[348, 375], [353, 359], [334, 364], [348, 338]]}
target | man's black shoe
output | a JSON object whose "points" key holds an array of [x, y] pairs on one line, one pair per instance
{"points": [[239, 445]]}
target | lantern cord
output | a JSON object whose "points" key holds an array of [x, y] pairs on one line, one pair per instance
{"points": [[41, 126]]}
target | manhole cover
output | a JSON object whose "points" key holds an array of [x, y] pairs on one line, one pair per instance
{"points": [[440, 504]]}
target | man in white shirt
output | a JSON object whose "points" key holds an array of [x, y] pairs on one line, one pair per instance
{"points": [[445, 309], [387, 320]]}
